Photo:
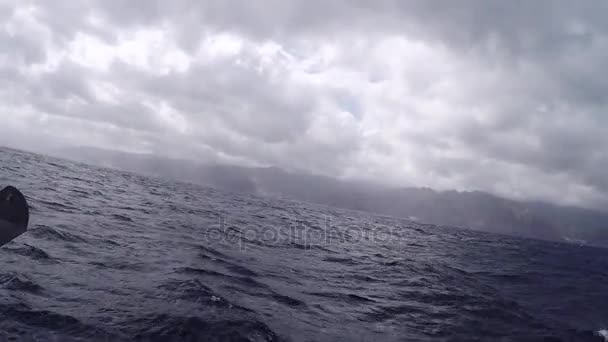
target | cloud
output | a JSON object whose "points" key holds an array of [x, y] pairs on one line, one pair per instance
{"points": [[505, 97]]}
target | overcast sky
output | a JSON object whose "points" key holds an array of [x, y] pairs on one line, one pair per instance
{"points": [[503, 96]]}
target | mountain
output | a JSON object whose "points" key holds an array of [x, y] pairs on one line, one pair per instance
{"points": [[473, 210]]}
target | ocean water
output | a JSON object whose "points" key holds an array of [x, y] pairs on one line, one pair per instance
{"points": [[114, 256]]}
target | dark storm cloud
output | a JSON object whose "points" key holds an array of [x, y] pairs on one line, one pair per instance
{"points": [[467, 94], [520, 26]]}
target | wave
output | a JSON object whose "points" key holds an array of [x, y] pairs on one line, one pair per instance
{"points": [[19, 283], [55, 234], [171, 328], [32, 252]]}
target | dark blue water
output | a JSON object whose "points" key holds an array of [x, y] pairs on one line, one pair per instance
{"points": [[116, 256]]}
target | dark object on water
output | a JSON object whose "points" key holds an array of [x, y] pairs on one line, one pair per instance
{"points": [[14, 214]]}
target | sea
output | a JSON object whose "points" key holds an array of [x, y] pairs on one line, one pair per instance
{"points": [[117, 256]]}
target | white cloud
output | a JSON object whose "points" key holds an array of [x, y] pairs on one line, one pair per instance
{"points": [[420, 93]]}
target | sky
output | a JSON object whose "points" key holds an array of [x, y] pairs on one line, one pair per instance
{"points": [[507, 97]]}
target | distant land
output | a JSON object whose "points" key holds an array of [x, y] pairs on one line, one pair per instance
{"points": [[473, 210]]}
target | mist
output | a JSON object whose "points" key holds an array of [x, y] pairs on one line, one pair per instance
{"points": [[467, 209]]}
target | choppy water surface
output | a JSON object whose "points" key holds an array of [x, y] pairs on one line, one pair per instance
{"points": [[116, 256]]}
